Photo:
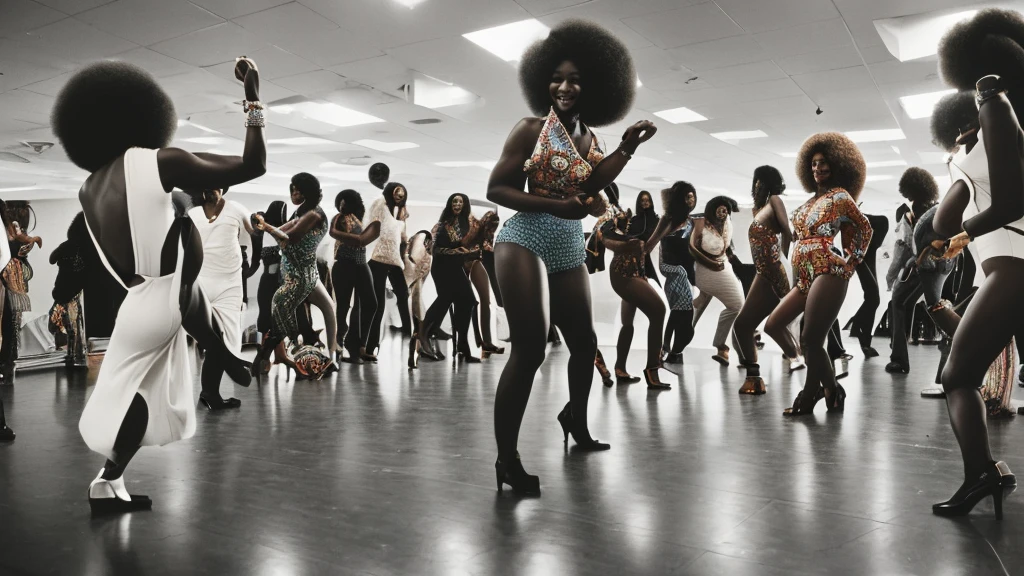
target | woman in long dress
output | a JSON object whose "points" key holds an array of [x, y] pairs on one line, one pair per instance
{"points": [[115, 121]]}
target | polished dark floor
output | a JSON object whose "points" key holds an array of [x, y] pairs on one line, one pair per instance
{"points": [[380, 471]]}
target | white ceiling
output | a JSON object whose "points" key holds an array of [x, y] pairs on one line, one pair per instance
{"points": [[760, 65]]}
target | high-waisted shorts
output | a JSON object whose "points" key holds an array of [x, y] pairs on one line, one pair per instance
{"points": [[558, 242]]}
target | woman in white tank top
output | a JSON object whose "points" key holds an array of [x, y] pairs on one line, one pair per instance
{"points": [[709, 245]]}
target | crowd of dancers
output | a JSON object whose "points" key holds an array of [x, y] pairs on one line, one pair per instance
{"points": [[183, 269]]}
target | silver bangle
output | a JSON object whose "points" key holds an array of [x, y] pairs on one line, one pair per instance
{"points": [[255, 119]]}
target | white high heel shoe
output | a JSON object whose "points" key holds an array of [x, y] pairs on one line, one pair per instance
{"points": [[111, 497]]}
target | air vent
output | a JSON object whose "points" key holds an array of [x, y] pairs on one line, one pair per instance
{"points": [[426, 121], [38, 147]]}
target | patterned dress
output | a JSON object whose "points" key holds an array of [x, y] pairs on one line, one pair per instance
{"points": [[298, 277], [817, 223], [767, 255], [554, 170]]}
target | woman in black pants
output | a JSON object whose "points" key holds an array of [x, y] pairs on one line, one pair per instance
{"points": [[386, 263], [351, 273], [455, 241], [270, 280], [863, 321]]}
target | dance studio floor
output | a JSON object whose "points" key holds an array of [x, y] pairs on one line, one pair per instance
{"points": [[381, 472]]}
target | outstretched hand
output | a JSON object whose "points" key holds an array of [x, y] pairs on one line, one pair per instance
{"points": [[955, 245], [637, 134]]}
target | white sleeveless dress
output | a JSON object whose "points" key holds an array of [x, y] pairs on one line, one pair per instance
{"points": [[221, 274], [973, 170], [148, 352]]}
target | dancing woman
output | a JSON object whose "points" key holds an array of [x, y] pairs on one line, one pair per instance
{"points": [[269, 253], [579, 76], [677, 265], [350, 273], [386, 264], [221, 224], [115, 121], [418, 261], [988, 188], [709, 245], [299, 238], [831, 167], [771, 283], [478, 275]]}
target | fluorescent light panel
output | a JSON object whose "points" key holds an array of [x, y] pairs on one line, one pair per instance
{"points": [[917, 36], [739, 135], [887, 164], [328, 113], [410, 3], [509, 41], [432, 93], [680, 115], [301, 141], [921, 105], [386, 146], [878, 177], [862, 136], [788, 154]]}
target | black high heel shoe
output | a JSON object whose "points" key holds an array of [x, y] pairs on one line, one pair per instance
{"points": [[585, 443], [623, 377], [513, 474], [654, 381], [838, 400], [6, 434], [492, 349], [996, 481], [218, 403], [468, 358]]}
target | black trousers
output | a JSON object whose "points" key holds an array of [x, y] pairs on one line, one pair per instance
{"points": [[863, 321], [269, 283], [387, 273], [453, 288], [351, 277]]}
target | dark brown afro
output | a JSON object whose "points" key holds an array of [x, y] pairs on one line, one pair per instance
{"points": [[607, 76], [988, 43], [951, 114], [673, 201], [107, 108], [844, 160], [918, 185]]}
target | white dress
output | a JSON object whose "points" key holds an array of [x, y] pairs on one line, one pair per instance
{"points": [[387, 250], [973, 170], [221, 274], [148, 353]]}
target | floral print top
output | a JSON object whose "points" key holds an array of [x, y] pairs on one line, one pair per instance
{"points": [[817, 223], [556, 169]]}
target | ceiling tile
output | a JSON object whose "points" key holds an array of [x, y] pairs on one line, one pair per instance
{"points": [[273, 62], [17, 74], [331, 47], [372, 70], [76, 42], [804, 39], [743, 74], [20, 16], [820, 61], [284, 22], [73, 6], [220, 43], [765, 15], [147, 22], [719, 53], [230, 9], [689, 25], [157, 64]]}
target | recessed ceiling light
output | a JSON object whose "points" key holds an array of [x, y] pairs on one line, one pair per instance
{"points": [[921, 105], [509, 41], [410, 3], [739, 135], [787, 154], [861, 136], [639, 84], [917, 36], [485, 164], [680, 115], [887, 163], [328, 112], [433, 93], [386, 146], [301, 141], [878, 177]]}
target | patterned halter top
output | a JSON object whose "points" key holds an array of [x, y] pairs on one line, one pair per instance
{"points": [[556, 169]]}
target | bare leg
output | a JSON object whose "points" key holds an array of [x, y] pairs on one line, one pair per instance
{"points": [[523, 280], [787, 311], [639, 293], [760, 302], [824, 300], [478, 276], [627, 312], [320, 298]]}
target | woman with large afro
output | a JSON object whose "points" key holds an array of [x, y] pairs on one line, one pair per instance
{"points": [[830, 167], [771, 283], [984, 207], [115, 121], [580, 76]]}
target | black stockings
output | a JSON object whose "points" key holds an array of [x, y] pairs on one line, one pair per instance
{"points": [[129, 438], [864, 318], [678, 331], [638, 293], [530, 293], [396, 276], [453, 289], [351, 277]]}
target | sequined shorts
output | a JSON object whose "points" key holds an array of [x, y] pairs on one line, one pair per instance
{"points": [[558, 242]]}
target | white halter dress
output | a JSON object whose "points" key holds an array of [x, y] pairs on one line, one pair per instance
{"points": [[148, 353], [221, 274]]}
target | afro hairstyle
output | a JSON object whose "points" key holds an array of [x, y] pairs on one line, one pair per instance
{"points": [[606, 69], [845, 161], [919, 186], [717, 202], [952, 113], [108, 107], [771, 178], [989, 43], [673, 201], [309, 187], [353, 203]]}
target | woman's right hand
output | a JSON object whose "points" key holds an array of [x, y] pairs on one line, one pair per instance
{"points": [[571, 208], [637, 134], [261, 224], [247, 73]]}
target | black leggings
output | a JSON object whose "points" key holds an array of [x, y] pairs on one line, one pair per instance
{"points": [[679, 325], [396, 275], [129, 438], [350, 276], [453, 287], [488, 257], [269, 283], [864, 320]]}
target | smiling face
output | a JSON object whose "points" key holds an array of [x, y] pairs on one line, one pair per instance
{"points": [[565, 87], [398, 195], [297, 197], [820, 169], [457, 205]]}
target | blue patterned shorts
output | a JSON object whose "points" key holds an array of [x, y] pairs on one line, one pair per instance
{"points": [[558, 242], [677, 287]]}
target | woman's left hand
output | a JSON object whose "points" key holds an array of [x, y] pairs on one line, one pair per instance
{"points": [[261, 224], [956, 245]]}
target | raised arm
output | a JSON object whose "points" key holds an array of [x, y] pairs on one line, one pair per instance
{"points": [[182, 169], [609, 169]]}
